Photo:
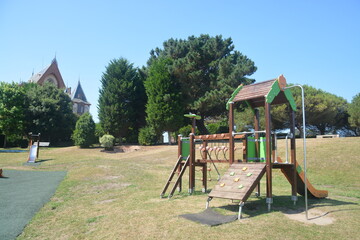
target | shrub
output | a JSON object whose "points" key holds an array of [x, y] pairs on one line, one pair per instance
{"points": [[186, 130], [107, 141], [219, 127], [84, 134], [147, 136]]}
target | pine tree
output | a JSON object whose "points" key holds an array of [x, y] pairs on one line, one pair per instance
{"points": [[208, 70], [121, 101], [164, 107]]}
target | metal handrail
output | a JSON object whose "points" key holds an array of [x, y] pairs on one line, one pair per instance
{"points": [[240, 133], [304, 145]]}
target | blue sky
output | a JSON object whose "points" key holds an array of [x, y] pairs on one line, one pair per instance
{"points": [[310, 42]]}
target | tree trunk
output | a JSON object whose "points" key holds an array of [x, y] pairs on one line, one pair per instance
{"points": [[169, 137], [4, 141], [201, 126]]}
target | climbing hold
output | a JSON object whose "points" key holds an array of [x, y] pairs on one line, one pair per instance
{"points": [[244, 168], [249, 174], [240, 186], [222, 184], [236, 179], [232, 173]]}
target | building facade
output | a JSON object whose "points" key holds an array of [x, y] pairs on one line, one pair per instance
{"points": [[52, 74]]}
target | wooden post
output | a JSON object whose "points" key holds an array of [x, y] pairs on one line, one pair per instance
{"points": [[268, 155], [204, 182], [204, 168], [256, 128], [293, 155], [180, 165], [257, 147], [244, 141], [38, 145], [192, 164], [231, 130], [193, 125]]}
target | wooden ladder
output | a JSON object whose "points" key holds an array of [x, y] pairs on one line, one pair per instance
{"points": [[177, 181]]}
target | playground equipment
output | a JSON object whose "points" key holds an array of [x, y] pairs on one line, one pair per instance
{"points": [[259, 151], [33, 147]]}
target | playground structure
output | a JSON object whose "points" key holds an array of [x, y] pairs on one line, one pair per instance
{"points": [[34, 144], [258, 151]]}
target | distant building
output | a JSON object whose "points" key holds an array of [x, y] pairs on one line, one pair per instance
{"points": [[52, 74], [80, 104], [49, 74]]}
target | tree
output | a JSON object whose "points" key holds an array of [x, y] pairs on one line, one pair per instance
{"points": [[12, 118], [164, 108], [49, 112], [354, 112], [122, 99], [323, 110], [244, 119], [84, 134], [208, 70]]}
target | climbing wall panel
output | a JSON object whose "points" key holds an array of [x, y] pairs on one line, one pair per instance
{"points": [[239, 181]]}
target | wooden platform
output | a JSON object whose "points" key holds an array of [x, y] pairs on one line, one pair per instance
{"points": [[248, 176]]}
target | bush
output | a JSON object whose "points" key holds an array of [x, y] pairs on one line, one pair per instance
{"points": [[219, 127], [186, 130], [107, 141], [84, 134], [147, 136]]}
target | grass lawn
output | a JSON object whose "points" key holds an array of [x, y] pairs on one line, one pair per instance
{"points": [[116, 196]]}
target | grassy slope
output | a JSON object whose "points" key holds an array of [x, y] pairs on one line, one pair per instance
{"points": [[116, 196]]}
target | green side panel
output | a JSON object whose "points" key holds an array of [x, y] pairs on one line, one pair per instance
{"points": [[251, 152], [262, 149], [185, 148], [251, 149], [290, 98], [299, 169], [233, 95], [274, 91]]}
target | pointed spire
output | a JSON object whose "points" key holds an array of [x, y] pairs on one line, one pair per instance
{"points": [[54, 60]]}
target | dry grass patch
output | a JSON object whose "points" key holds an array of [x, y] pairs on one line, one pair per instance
{"points": [[116, 196]]}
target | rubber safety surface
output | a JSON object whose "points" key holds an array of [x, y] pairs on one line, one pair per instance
{"points": [[22, 194]]}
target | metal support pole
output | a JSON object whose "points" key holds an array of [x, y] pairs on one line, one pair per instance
{"points": [[304, 145], [241, 204]]}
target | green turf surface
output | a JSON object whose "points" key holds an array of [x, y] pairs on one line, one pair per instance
{"points": [[22, 194]]}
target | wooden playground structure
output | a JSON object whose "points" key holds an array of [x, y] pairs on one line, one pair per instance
{"points": [[258, 152]]}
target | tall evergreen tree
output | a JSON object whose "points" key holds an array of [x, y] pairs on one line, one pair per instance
{"points": [[164, 108], [122, 99], [12, 105], [208, 70]]}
